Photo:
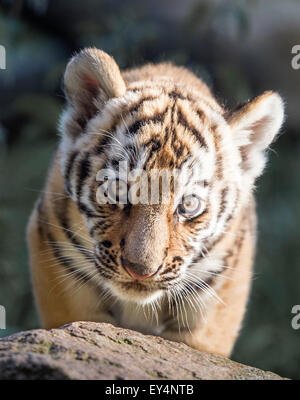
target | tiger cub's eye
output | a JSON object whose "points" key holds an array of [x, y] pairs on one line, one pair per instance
{"points": [[190, 206]]}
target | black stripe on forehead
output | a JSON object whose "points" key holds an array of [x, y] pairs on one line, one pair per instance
{"points": [[136, 126], [155, 145], [130, 130], [119, 118], [136, 106], [133, 129], [178, 147], [175, 94], [181, 119]]}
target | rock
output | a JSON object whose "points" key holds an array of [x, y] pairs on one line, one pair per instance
{"points": [[90, 350]]}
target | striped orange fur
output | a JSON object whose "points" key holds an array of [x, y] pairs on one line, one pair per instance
{"points": [[180, 269]]}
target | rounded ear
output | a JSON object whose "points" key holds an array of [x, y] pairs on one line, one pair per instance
{"points": [[91, 78], [90, 72], [254, 126]]}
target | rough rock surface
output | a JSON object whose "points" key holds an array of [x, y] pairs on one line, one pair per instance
{"points": [[89, 350]]}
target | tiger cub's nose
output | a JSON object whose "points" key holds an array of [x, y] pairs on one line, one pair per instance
{"points": [[137, 271]]}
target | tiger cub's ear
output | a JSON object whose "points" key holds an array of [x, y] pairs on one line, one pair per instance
{"points": [[91, 75], [254, 127]]}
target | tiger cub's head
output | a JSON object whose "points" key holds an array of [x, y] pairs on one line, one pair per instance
{"points": [[158, 169]]}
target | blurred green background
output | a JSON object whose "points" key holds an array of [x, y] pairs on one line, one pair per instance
{"points": [[239, 48]]}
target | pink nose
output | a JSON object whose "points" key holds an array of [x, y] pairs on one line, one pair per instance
{"points": [[137, 276], [137, 271]]}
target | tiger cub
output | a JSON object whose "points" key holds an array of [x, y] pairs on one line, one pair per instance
{"points": [[108, 243]]}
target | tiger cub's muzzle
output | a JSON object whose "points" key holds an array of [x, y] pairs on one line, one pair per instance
{"points": [[146, 240]]}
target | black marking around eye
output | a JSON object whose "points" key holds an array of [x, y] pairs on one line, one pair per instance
{"points": [[198, 219]]}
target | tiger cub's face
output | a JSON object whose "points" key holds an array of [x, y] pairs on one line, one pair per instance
{"points": [[158, 171]]}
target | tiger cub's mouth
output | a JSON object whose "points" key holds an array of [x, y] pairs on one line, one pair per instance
{"points": [[134, 290], [134, 281], [127, 284]]}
